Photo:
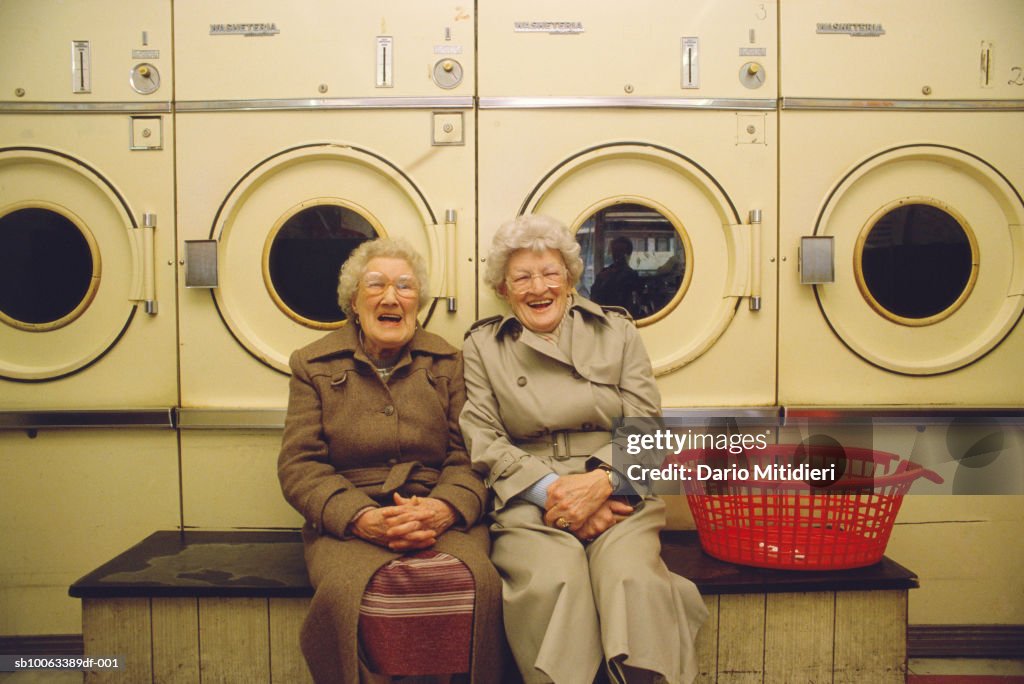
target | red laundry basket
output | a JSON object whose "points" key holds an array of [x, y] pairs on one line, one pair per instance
{"points": [[796, 524]]}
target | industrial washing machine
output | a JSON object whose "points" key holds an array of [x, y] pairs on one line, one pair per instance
{"points": [[363, 128], [902, 168], [86, 206], [901, 281], [650, 133], [87, 320]]}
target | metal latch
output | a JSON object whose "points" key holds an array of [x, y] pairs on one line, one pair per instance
{"points": [[201, 264], [817, 260]]}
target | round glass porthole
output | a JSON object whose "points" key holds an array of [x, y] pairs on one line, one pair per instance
{"points": [[49, 268], [635, 257], [916, 261], [304, 253]]}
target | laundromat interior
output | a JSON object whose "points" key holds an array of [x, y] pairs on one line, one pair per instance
{"points": [[824, 200]]}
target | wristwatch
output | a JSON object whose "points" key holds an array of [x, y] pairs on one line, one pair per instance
{"points": [[613, 477]]}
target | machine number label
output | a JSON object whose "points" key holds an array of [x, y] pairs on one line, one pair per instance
{"points": [[548, 27], [265, 29], [851, 29], [1018, 76]]}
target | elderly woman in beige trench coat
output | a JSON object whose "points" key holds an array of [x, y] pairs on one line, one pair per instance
{"points": [[584, 584], [373, 459]]}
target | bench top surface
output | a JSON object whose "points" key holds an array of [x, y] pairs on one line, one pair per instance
{"points": [[271, 564]]}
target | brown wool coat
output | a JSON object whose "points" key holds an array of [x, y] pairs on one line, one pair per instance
{"points": [[350, 441]]}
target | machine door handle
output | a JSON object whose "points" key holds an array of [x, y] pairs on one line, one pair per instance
{"points": [[451, 254], [755, 260], [144, 288]]}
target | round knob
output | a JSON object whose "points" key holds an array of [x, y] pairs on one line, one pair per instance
{"points": [[144, 79], [447, 73], [752, 75]]}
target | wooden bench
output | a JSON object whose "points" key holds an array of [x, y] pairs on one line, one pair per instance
{"points": [[227, 607]]}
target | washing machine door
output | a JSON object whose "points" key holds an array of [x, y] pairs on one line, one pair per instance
{"points": [[929, 259], [288, 225], [659, 237], [73, 265]]}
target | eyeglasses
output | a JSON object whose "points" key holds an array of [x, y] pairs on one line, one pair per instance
{"points": [[406, 286], [521, 281]]}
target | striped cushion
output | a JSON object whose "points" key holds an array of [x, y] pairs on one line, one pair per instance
{"points": [[416, 616]]}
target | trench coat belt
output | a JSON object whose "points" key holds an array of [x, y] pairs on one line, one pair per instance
{"points": [[391, 479], [564, 444]]}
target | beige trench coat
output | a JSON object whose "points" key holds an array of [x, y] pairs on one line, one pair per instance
{"points": [[569, 607], [349, 441]]}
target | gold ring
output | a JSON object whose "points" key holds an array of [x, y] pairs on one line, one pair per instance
{"points": [[563, 524]]}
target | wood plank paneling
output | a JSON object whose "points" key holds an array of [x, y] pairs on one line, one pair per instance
{"points": [[707, 644], [740, 638], [118, 627], [871, 629], [846, 637], [287, 665], [175, 640], [234, 640], [798, 637]]}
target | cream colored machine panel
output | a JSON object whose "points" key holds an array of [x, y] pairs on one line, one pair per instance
{"points": [[71, 500], [236, 337], [901, 238], [83, 51], [945, 332], [245, 50], [86, 206], [276, 188], [658, 133], [651, 48], [915, 49]]}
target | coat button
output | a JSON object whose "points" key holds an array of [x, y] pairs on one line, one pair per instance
{"points": [[521, 381], [392, 461], [389, 410], [588, 427]]}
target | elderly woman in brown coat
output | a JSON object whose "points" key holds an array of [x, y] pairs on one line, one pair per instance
{"points": [[585, 588], [373, 459]]}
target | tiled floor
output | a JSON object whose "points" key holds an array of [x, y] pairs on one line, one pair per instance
{"points": [[965, 671], [944, 671], [42, 677]]}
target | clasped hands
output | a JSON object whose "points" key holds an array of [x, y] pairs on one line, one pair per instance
{"points": [[413, 523], [582, 504]]}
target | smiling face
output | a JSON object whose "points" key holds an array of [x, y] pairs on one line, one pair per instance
{"points": [[387, 316], [536, 287]]}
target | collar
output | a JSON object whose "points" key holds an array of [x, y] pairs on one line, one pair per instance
{"points": [[586, 308]]}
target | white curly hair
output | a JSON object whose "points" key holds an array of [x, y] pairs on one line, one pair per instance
{"points": [[535, 232]]}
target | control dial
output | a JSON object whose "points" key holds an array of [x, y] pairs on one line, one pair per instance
{"points": [[144, 79], [752, 75], [447, 74]]}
